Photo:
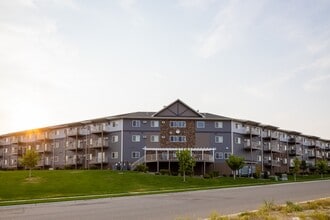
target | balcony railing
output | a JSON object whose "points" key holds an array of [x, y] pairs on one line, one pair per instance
{"points": [[172, 157], [252, 131], [73, 161], [100, 128], [254, 145], [100, 144], [98, 160], [273, 163]]}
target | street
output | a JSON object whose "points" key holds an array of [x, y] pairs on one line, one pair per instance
{"points": [[196, 204]]}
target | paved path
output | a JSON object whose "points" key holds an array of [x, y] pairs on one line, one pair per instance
{"points": [[197, 204]]}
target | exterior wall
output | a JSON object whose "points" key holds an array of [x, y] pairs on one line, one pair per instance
{"points": [[104, 144]]}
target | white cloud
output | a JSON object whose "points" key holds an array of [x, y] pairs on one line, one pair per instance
{"points": [[200, 4], [130, 7]]}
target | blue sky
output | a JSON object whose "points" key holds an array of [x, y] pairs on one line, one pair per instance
{"points": [[64, 61]]}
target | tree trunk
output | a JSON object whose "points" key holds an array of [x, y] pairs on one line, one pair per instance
{"points": [[184, 176], [295, 177], [234, 174], [30, 173]]}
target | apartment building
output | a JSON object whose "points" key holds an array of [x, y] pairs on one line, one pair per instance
{"points": [[153, 138]]}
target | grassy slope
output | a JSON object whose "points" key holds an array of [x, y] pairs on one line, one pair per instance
{"points": [[14, 185]]}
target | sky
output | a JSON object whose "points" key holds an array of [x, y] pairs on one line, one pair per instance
{"points": [[63, 61]]}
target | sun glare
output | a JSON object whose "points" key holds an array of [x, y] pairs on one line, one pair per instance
{"points": [[27, 117]]}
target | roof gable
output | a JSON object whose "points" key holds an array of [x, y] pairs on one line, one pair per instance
{"points": [[178, 109]]}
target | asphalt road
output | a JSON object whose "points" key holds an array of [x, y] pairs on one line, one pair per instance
{"points": [[192, 205]]}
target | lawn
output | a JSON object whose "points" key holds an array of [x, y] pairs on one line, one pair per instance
{"points": [[15, 185]]}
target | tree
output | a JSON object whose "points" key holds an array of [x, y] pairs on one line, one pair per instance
{"points": [[30, 160], [322, 167], [186, 162], [303, 166], [235, 163], [296, 167]]}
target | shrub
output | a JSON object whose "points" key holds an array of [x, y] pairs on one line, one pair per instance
{"points": [[164, 172], [291, 207], [174, 173], [207, 176], [215, 173], [141, 168]]}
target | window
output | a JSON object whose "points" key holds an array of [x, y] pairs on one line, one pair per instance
{"points": [[178, 138], [226, 155], [154, 138], [136, 123], [136, 138], [200, 124], [237, 125], [218, 139], [114, 155], [57, 144], [154, 124], [91, 141], [114, 124], [37, 147], [177, 124], [259, 158], [6, 162], [114, 138], [135, 154], [56, 159], [219, 155], [57, 132], [218, 124], [237, 140]]}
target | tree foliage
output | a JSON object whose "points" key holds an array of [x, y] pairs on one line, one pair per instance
{"points": [[186, 162], [296, 167], [30, 160], [235, 163], [322, 166]]}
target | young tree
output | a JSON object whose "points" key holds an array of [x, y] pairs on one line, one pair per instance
{"points": [[235, 163], [296, 167], [303, 166], [186, 162], [322, 167], [30, 160]]}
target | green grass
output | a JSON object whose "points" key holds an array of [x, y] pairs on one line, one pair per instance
{"points": [[45, 185]]}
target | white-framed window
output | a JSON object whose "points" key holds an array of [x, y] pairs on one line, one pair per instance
{"points": [[238, 140], [218, 139], [6, 150], [114, 124], [177, 124], [114, 138], [219, 155], [200, 124], [218, 124], [56, 159], [6, 162], [114, 155], [259, 158], [136, 123], [136, 138], [176, 138], [37, 147], [135, 154], [154, 138], [57, 132], [57, 144], [91, 141], [226, 155], [154, 124]]}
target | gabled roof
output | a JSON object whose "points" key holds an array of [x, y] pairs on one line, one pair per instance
{"points": [[178, 109]]}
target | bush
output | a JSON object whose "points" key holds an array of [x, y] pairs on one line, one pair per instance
{"points": [[215, 174], [164, 172], [207, 176], [174, 173], [141, 168]]}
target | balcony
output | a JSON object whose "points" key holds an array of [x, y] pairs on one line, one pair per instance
{"points": [[294, 140], [44, 149], [42, 136], [16, 152], [98, 160], [14, 140], [273, 163], [73, 161], [101, 128], [43, 163], [272, 147], [74, 146], [99, 144], [270, 135], [164, 156], [293, 152], [254, 145], [252, 131]]}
